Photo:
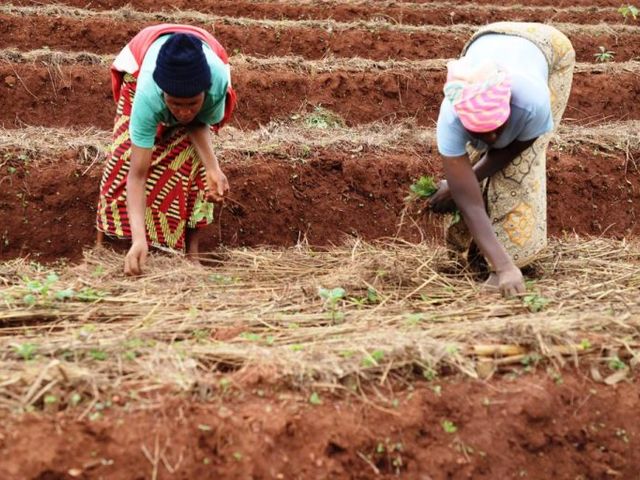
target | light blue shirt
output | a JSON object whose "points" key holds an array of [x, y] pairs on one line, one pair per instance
{"points": [[149, 108], [530, 97]]}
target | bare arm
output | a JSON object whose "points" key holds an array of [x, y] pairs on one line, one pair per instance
{"points": [[491, 163], [217, 182], [496, 160], [200, 136], [136, 206], [136, 194], [466, 193]]}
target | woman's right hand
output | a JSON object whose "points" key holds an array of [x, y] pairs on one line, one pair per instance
{"points": [[511, 282], [136, 258], [441, 201]]}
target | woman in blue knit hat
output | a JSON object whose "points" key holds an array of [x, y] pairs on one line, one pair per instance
{"points": [[172, 88]]}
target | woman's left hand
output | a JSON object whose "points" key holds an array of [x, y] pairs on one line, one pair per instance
{"points": [[217, 185]]}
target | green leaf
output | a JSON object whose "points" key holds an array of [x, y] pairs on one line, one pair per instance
{"points": [[535, 303], [64, 294], [314, 399], [29, 299], [449, 426], [332, 295], [52, 278], [26, 350], [424, 187], [372, 295], [98, 355], [203, 210], [373, 358]]}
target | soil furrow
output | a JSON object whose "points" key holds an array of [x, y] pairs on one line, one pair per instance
{"points": [[401, 13], [49, 57], [323, 195], [75, 95], [108, 35]]}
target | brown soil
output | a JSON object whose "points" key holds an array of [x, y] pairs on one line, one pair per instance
{"points": [[515, 427], [78, 95], [108, 37], [397, 13], [515, 3], [49, 207]]}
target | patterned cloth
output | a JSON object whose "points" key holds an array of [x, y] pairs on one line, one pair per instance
{"points": [[516, 197], [175, 187]]}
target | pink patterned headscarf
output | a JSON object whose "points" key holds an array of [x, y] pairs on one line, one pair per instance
{"points": [[480, 94]]}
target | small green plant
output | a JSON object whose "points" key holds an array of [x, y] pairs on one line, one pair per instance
{"points": [[27, 351], [223, 279], [585, 344], [603, 55], [371, 298], [424, 187], [314, 399], [98, 355], [628, 11], [203, 210], [373, 359], [449, 427], [331, 298], [616, 364], [322, 118], [534, 302]]}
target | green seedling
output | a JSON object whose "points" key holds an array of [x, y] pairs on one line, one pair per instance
{"points": [[617, 364], [323, 119], [603, 55], [223, 279], [203, 210], [98, 355], [449, 427], [27, 351], [371, 298], [628, 11], [88, 294], [373, 359], [331, 298], [534, 302], [314, 399], [424, 187]]}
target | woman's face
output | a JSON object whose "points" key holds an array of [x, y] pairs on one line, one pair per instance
{"points": [[184, 109], [489, 137]]}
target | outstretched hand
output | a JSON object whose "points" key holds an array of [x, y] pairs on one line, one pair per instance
{"points": [[136, 258]]}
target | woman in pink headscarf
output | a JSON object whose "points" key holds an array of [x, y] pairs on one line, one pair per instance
{"points": [[503, 99]]}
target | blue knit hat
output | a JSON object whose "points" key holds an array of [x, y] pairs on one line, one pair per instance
{"points": [[181, 68]]}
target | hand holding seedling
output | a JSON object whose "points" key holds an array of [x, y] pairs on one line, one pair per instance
{"points": [[217, 185], [136, 258], [441, 201]]}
